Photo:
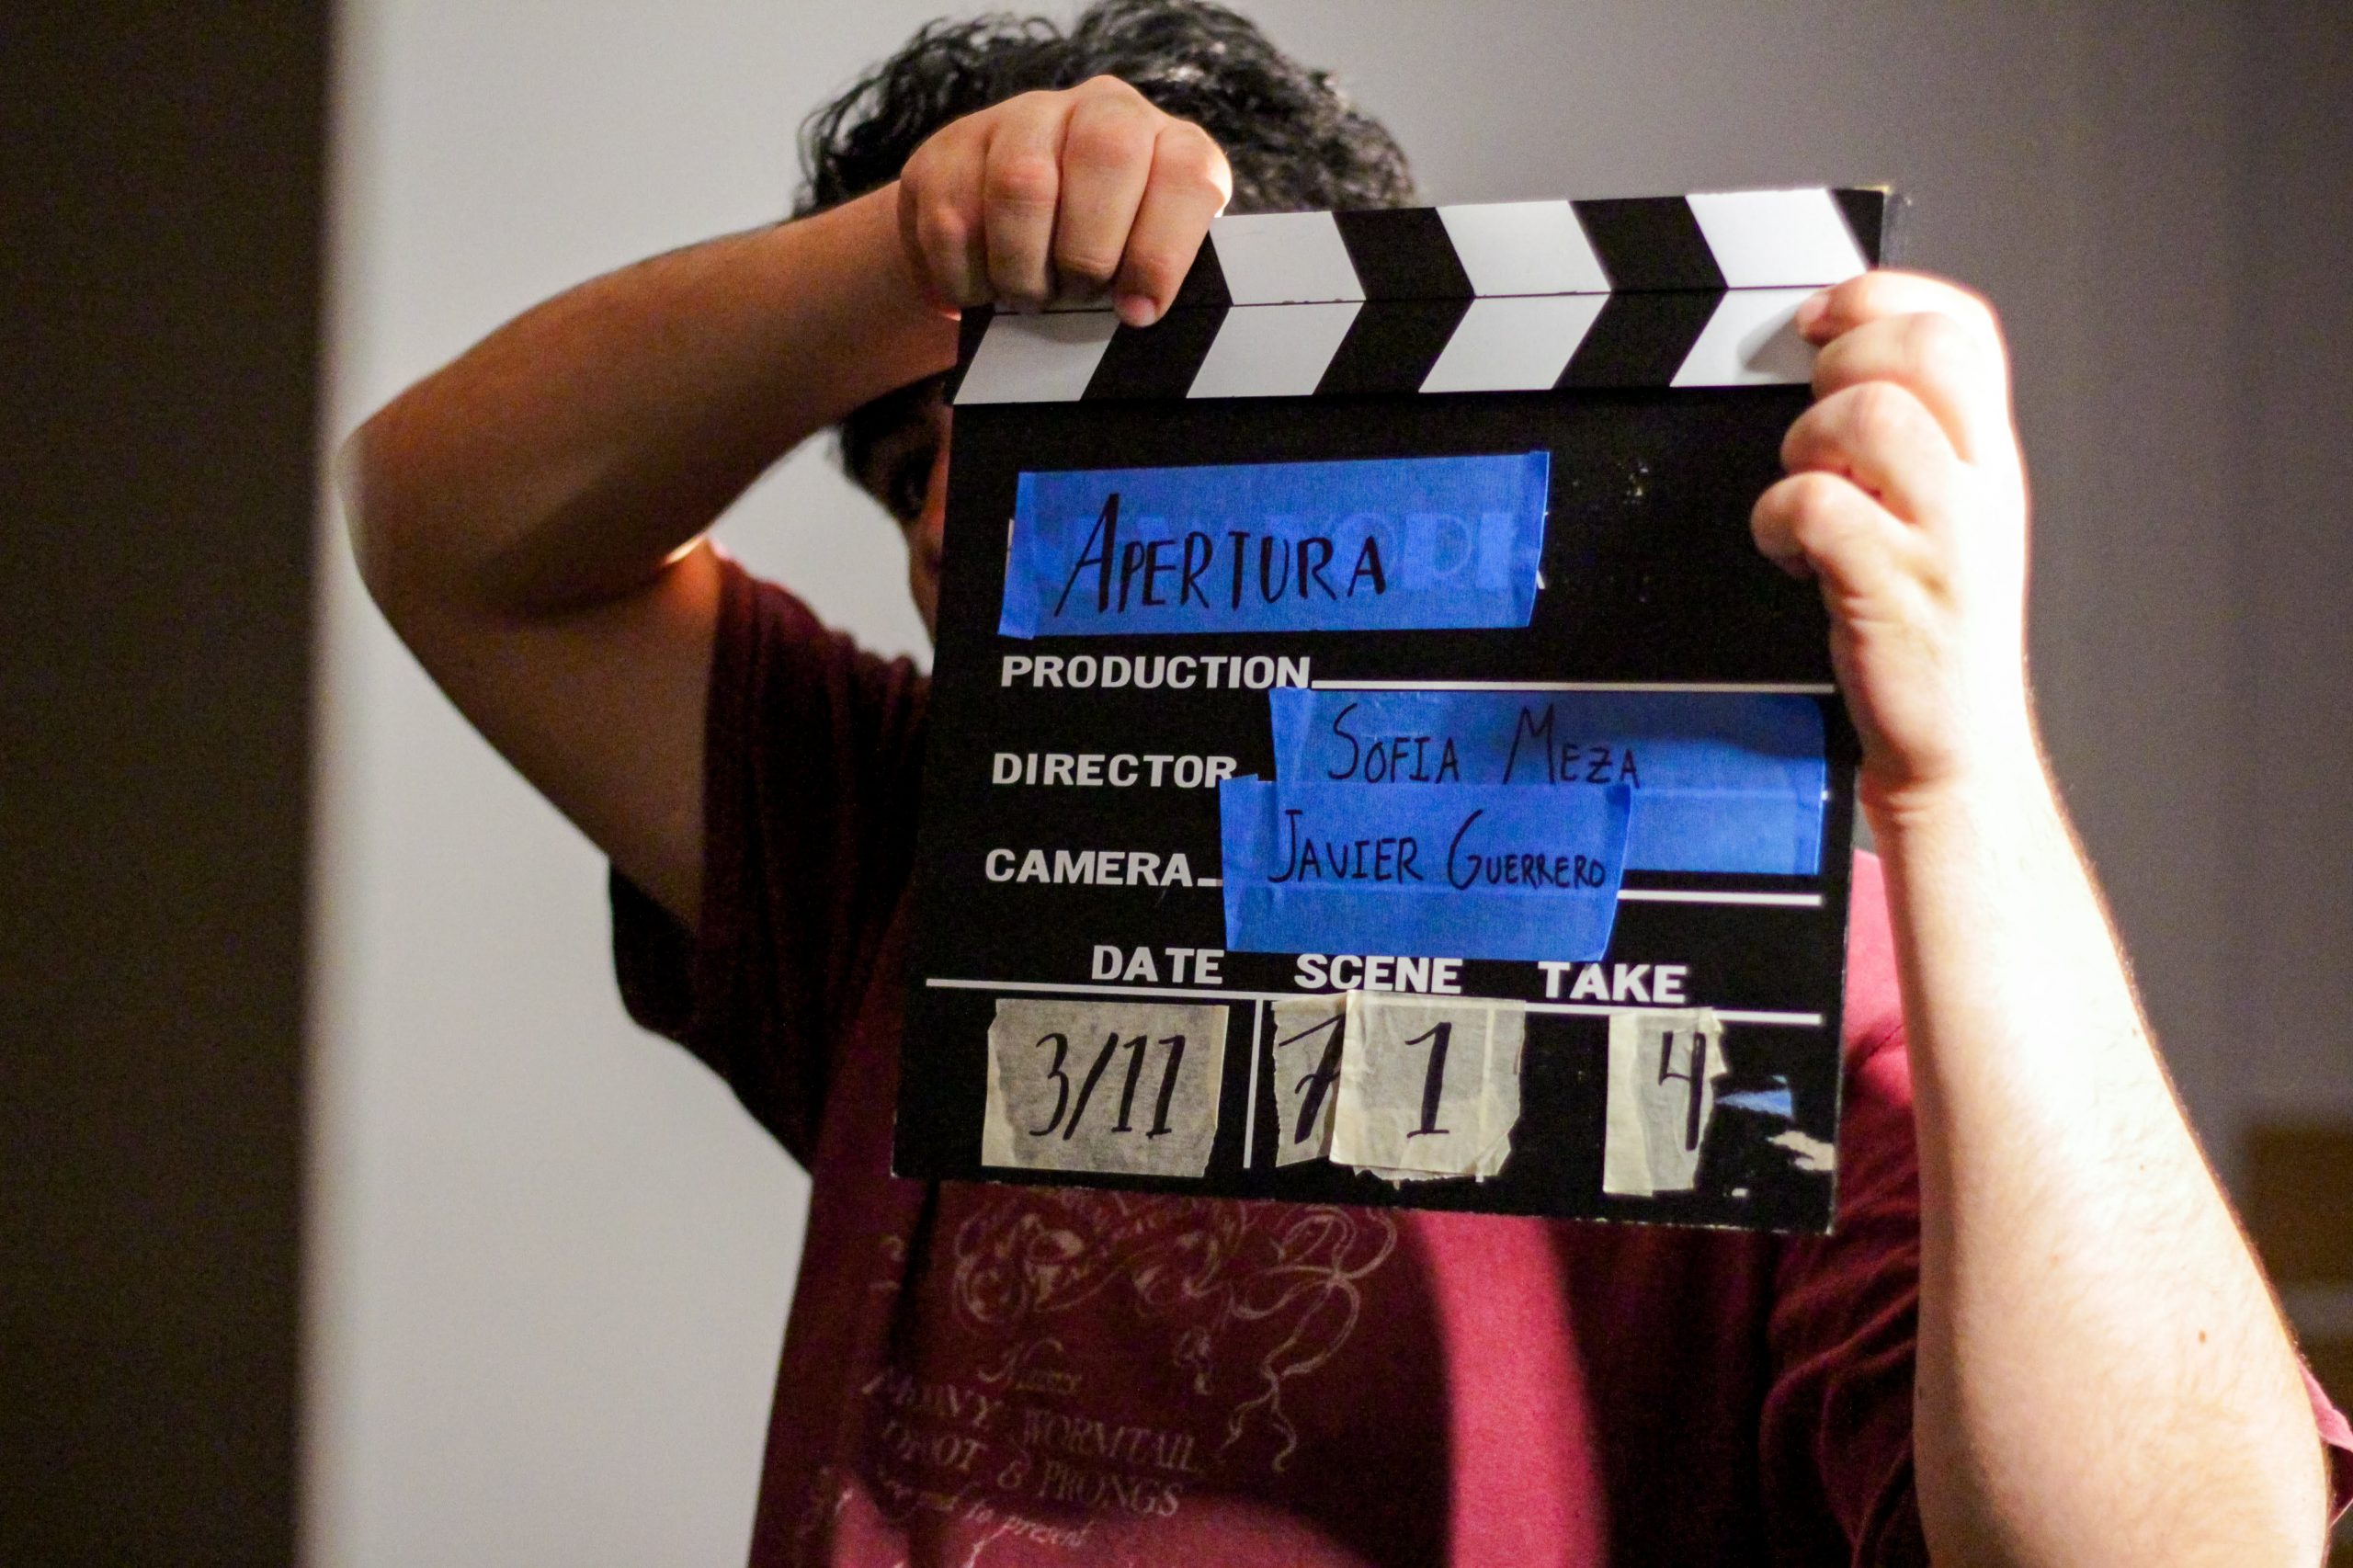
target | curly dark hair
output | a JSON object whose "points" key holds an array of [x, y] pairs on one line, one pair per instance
{"points": [[1292, 138]]}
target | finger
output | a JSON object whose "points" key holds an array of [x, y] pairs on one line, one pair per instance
{"points": [[1936, 359], [1819, 524], [1869, 296], [1882, 438], [1189, 185], [1020, 186], [1106, 160], [939, 219]]}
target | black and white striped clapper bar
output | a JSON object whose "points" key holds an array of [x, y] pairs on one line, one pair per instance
{"points": [[1661, 292]]}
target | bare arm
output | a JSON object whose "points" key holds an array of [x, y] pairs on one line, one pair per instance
{"points": [[524, 515], [530, 517], [2103, 1375]]}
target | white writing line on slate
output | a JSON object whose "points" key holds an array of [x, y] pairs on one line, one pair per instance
{"points": [[1666, 895], [1250, 1115], [1678, 895], [1762, 689], [1793, 1020]]}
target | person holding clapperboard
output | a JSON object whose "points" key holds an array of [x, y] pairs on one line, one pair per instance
{"points": [[2035, 1334]]}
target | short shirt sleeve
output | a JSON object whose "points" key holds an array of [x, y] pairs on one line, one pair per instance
{"points": [[2336, 1437], [811, 752], [1836, 1448]]}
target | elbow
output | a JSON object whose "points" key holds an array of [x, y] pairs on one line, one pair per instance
{"points": [[380, 515], [440, 534], [419, 559]]}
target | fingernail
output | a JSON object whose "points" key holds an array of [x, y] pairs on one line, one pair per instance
{"points": [[1136, 310], [1812, 309]]}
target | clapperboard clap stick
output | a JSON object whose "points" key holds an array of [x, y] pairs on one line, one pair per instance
{"points": [[1369, 762]]}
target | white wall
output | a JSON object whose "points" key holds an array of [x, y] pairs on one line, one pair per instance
{"points": [[550, 1257]]}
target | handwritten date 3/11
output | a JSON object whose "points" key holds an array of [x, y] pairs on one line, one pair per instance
{"points": [[1127, 1089]]}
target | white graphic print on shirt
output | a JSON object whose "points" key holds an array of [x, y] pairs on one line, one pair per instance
{"points": [[1223, 1306]]}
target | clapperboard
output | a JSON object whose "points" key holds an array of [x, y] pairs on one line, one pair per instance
{"points": [[1369, 761]]}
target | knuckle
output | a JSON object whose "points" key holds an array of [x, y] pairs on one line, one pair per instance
{"points": [[1816, 498], [940, 225], [1024, 180], [1929, 334], [1814, 434], [1037, 102], [1833, 366], [1988, 321], [1015, 271], [1112, 140], [1787, 500], [1876, 411], [1156, 271], [1854, 299], [1012, 286], [1977, 308], [1186, 144], [938, 145], [1777, 505], [1965, 307], [1933, 346], [1083, 262], [1187, 154], [1820, 521], [1103, 88], [1799, 438]]}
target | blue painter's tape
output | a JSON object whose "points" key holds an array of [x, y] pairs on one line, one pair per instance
{"points": [[1722, 781], [1747, 832], [1457, 872], [1775, 1101], [1388, 544]]}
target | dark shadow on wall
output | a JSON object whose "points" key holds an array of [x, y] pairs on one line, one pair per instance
{"points": [[161, 169]]}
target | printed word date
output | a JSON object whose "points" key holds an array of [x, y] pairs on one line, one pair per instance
{"points": [[1197, 965]]}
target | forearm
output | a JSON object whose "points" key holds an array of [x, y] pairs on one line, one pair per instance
{"points": [[2100, 1364], [563, 458]]}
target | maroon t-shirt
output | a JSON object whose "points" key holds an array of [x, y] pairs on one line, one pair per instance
{"points": [[996, 1375]]}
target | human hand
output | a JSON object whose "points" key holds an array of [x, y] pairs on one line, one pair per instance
{"points": [[1906, 501], [1059, 195]]}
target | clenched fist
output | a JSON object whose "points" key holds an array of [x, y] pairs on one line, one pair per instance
{"points": [[1907, 500], [1061, 195]]}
